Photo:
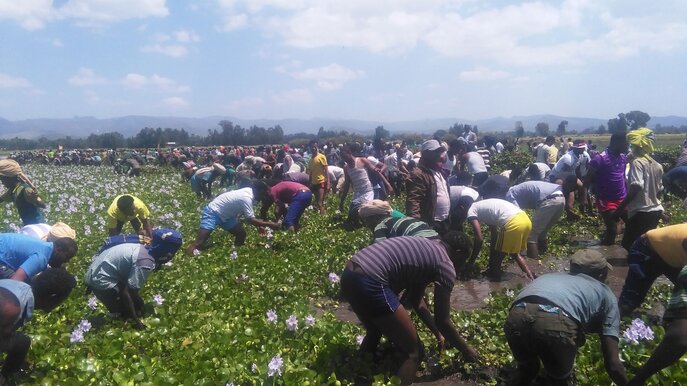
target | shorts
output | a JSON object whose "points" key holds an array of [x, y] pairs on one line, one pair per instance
{"points": [[298, 204], [210, 220], [645, 266], [368, 297], [547, 214], [607, 205], [318, 186], [513, 235]]}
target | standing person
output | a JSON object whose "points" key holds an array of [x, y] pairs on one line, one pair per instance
{"points": [[21, 192], [119, 271], [428, 195], [548, 203], [17, 303], [606, 176], [657, 252], [226, 210], [509, 228], [127, 207], [375, 276], [22, 257], [549, 318], [319, 179], [552, 156], [356, 175], [543, 150], [297, 196], [644, 209]]}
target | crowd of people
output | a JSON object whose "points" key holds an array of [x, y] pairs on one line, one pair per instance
{"points": [[445, 185]]}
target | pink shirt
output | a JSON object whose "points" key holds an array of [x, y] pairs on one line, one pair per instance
{"points": [[284, 191]]}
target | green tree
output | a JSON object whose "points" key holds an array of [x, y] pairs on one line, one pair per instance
{"points": [[519, 129], [560, 130], [636, 119], [381, 132], [617, 125], [542, 129]]}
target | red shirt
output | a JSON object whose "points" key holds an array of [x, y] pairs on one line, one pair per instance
{"points": [[284, 191]]}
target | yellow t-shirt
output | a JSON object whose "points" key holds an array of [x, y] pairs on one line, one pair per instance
{"points": [[114, 214], [318, 168], [553, 155], [667, 242]]}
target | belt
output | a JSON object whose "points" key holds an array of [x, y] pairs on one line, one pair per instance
{"points": [[544, 308], [554, 195], [303, 190]]}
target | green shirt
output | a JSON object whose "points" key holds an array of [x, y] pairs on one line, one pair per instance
{"points": [[124, 262]]}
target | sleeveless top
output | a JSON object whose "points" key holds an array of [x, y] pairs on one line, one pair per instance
{"points": [[360, 180]]}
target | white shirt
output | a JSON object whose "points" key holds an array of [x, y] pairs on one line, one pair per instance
{"points": [[493, 211], [458, 192], [567, 163], [543, 153], [499, 147], [443, 198], [37, 231], [233, 204], [334, 172], [543, 169], [475, 163]]}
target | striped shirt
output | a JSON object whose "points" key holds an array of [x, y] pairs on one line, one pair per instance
{"points": [[679, 298], [407, 262], [403, 226]]}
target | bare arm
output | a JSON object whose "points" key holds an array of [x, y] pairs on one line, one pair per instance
{"points": [[126, 296], [614, 368], [479, 240], [442, 308], [20, 275], [344, 190]]}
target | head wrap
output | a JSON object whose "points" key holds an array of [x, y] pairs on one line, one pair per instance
{"points": [[375, 207], [60, 230], [10, 168], [165, 243], [642, 139]]}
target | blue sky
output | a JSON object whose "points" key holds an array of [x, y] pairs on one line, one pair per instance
{"points": [[359, 59]]}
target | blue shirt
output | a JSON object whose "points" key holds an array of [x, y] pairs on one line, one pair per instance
{"points": [[588, 301], [25, 252], [529, 194], [24, 295]]}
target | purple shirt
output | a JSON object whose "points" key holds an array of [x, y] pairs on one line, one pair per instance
{"points": [[610, 176]]}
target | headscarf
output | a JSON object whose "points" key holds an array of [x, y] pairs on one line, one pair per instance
{"points": [[375, 207], [11, 168], [643, 140], [60, 230]]}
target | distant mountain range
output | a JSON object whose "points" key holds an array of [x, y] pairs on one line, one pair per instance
{"points": [[130, 125]]}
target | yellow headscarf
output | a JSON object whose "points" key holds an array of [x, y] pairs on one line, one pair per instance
{"points": [[643, 140], [10, 168]]}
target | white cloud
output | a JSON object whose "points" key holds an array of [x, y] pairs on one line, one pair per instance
{"points": [[89, 12], [243, 103], [30, 14], [57, 43], [330, 77], [86, 77], [155, 81], [524, 33], [175, 102], [91, 97], [171, 50], [294, 96], [184, 36], [9, 81], [483, 73]]}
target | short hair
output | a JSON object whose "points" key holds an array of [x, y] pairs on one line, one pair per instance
{"points": [[125, 202], [259, 187], [313, 142], [458, 242], [463, 178], [7, 296], [53, 282], [465, 202], [618, 136], [67, 244]]}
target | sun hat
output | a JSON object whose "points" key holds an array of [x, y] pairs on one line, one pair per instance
{"points": [[60, 230], [431, 145], [375, 207], [590, 258]]}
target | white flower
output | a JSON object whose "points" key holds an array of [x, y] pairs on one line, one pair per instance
{"points": [[333, 278], [158, 299], [234, 255], [292, 323], [254, 368], [84, 325], [272, 316], [309, 321], [510, 293], [359, 339], [196, 252], [76, 336], [275, 365], [93, 302]]}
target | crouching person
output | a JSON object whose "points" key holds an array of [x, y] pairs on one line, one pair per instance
{"points": [[120, 270], [17, 301], [548, 320], [375, 276]]}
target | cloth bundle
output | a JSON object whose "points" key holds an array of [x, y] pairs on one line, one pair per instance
{"points": [[375, 207]]}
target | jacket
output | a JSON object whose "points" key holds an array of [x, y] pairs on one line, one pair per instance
{"points": [[421, 190]]}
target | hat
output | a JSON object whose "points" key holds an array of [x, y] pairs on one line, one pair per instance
{"points": [[375, 207], [590, 258], [579, 145], [165, 243], [60, 230], [431, 145]]}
